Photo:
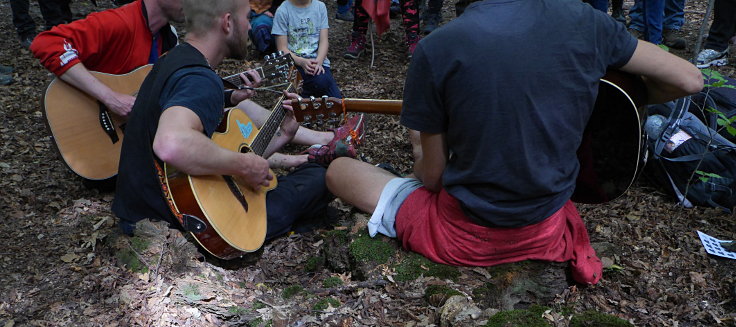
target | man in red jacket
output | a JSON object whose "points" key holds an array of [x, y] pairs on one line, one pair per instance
{"points": [[114, 41]]}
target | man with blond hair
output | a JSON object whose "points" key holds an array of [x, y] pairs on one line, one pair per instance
{"points": [[180, 105]]}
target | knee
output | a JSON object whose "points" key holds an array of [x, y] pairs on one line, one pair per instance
{"points": [[335, 172]]}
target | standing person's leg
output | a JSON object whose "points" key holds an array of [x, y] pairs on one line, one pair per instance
{"points": [[636, 16], [343, 10], [601, 5], [617, 11], [715, 49], [674, 18], [432, 16], [723, 26], [360, 28], [410, 19], [52, 13], [23, 22], [653, 16]]}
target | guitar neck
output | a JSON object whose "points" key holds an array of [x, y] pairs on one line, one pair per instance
{"points": [[373, 106], [269, 128], [237, 82]]}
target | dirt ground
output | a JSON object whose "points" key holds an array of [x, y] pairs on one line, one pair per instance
{"points": [[62, 262]]}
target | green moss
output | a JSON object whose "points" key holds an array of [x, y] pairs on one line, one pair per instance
{"points": [[592, 318], [236, 310], [331, 282], [312, 263], [128, 258], [531, 317], [440, 289], [139, 244], [341, 236], [258, 322], [291, 291], [325, 303], [415, 265], [258, 305], [368, 249], [191, 291]]}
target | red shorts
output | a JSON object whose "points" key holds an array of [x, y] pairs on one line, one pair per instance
{"points": [[434, 225]]}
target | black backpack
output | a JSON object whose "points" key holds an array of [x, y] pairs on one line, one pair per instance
{"points": [[690, 160]]}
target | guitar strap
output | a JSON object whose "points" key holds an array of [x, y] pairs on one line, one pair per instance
{"points": [[190, 223]]}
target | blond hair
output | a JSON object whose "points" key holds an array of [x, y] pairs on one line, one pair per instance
{"points": [[202, 14]]}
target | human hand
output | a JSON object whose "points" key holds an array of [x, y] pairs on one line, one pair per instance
{"points": [[311, 68], [255, 172], [252, 80], [120, 104], [289, 125]]}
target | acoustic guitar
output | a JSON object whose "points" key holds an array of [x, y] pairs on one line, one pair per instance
{"points": [[232, 215], [89, 137], [611, 155]]}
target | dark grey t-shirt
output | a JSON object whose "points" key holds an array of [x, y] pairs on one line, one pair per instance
{"points": [[512, 84]]}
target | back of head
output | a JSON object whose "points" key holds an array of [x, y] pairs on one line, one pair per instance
{"points": [[201, 15]]}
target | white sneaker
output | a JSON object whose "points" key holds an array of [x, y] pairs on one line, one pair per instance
{"points": [[710, 57]]}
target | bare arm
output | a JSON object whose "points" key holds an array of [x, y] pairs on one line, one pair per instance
{"points": [[430, 160], [283, 45], [180, 142], [81, 78], [324, 45], [667, 76]]}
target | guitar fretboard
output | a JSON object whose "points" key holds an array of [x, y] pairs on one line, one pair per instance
{"points": [[269, 128]]}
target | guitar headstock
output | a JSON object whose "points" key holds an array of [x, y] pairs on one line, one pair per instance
{"points": [[275, 70], [318, 112]]}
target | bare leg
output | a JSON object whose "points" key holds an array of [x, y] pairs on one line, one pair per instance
{"points": [[357, 182], [303, 136]]}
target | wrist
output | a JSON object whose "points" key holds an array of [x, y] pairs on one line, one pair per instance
{"points": [[229, 99]]}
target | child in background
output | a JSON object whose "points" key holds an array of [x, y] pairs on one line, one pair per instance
{"points": [[301, 28]]}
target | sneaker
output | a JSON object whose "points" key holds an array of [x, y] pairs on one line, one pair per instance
{"points": [[431, 22], [325, 154], [670, 39], [352, 132], [356, 47], [6, 79], [411, 43], [345, 16], [710, 57], [26, 40], [6, 70]]}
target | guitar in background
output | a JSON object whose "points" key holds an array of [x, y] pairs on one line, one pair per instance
{"points": [[611, 155]]}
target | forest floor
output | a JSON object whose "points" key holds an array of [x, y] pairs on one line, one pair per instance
{"points": [[63, 262]]}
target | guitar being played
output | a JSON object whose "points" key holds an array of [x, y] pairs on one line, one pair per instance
{"points": [[178, 127]]}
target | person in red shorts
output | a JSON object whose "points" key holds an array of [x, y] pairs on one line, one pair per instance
{"points": [[495, 127]]}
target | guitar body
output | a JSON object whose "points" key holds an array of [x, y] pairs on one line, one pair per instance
{"points": [[73, 117], [613, 150], [234, 214]]}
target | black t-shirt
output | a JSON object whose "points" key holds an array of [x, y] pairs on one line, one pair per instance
{"points": [[185, 80], [512, 84]]}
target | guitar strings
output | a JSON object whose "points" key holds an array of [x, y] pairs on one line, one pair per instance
{"points": [[269, 88]]}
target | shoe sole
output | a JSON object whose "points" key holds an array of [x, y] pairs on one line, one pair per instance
{"points": [[717, 62]]}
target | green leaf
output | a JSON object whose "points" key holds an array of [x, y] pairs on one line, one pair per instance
{"points": [[731, 130]]}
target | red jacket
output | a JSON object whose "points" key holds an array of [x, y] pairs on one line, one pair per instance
{"points": [[114, 41]]}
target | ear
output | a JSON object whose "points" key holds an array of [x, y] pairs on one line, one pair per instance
{"points": [[226, 23]]}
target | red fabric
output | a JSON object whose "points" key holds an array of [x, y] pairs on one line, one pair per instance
{"points": [[114, 41], [434, 225], [379, 12]]}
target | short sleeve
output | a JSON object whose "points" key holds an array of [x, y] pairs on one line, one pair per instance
{"points": [[199, 90], [280, 24], [422, 109]]}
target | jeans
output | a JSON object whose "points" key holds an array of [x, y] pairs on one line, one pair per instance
{"points": [[652, 16], [319, 85], [723, 26], [301, 195], [54, 12]]}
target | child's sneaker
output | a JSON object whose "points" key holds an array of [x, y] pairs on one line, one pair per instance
{"points": [[325, 154], [710, 57], [352, 132], [356, 47]]}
